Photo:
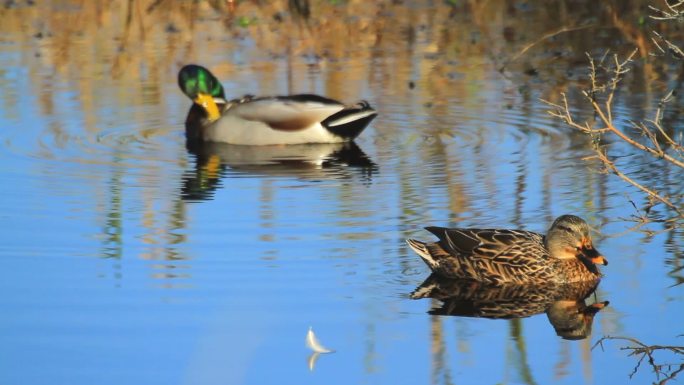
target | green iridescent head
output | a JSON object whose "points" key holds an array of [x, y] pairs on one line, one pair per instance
{"points": [[195, 80]]}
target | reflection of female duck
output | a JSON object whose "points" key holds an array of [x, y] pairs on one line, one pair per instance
{"points": [[306, 161], [493, 256], [293, 119], [564, 304]]}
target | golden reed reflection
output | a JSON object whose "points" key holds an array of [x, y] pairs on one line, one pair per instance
{"points": [[441, 373]]}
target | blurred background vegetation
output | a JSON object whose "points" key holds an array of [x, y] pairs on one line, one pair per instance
{"points": [[144, 42]]}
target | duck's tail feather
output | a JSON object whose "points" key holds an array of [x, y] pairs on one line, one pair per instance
{"points": [[349, 122], [423, 252]]}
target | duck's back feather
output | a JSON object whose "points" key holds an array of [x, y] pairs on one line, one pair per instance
{"points": [[485, 255], [487, 243], [287, 113]]}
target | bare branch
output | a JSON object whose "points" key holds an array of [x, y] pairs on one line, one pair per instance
{"points": [[673, 48], [610, 165], [672, 14], [655, 140], [667, 370], [605, 112]]}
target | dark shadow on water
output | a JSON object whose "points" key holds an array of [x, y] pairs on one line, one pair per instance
{"points": [[215, 162], [564, 304]]}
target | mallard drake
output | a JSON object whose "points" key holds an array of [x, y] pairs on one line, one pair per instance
{"points": [[494, 256], [293, 119]]}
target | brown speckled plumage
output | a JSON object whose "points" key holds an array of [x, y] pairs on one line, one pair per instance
{"points": [[495, 256], [564, 304]]}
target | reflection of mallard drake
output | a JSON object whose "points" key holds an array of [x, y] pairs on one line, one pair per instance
{"points": [[493, 256], [293, 119], [564, 303], [323, 161]]}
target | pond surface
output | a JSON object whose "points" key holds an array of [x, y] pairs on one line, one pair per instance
{"points": [[126, 257]]}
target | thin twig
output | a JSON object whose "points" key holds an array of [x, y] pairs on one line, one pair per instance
{"points": [[648, 352], [659, 144], [609, 124], [652, 193]]}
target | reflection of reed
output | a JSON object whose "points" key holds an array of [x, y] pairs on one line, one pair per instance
{"points": [[113, 229], [161, 238], [440, 364], [521, 352], [675, 241]]}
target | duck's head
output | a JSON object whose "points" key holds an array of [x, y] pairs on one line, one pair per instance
{"points": [[202, 88], [568, 237]]}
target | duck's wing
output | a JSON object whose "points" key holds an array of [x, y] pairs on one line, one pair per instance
{"points": [[487, 243], [490, 255], [287, 113]]}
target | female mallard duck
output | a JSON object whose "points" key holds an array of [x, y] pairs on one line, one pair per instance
{"points": [[493, 256], [294, 119]]}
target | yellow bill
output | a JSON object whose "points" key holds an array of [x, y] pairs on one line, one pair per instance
{"points": [[207, 102]]}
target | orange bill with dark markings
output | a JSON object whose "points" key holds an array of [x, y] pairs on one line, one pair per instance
{"points": [[591, 254]]}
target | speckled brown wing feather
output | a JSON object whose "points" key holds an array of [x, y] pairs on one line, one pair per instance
{"points": [[490, 255]]}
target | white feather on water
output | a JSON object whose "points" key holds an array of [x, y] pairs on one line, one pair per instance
{"points": [[314, 344]]}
